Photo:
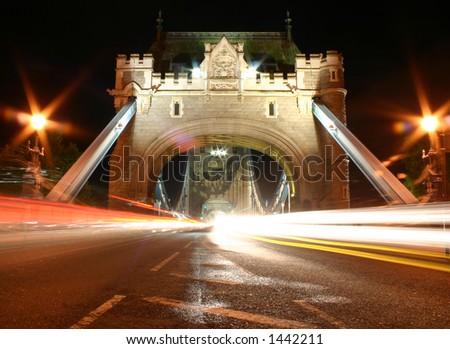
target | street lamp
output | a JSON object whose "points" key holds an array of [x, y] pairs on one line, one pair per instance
{"points": [[436, 180], [429, 123], [32, 178], [38, 121]]}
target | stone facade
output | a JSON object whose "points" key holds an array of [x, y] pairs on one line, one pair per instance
{"points": [[200, 89]]}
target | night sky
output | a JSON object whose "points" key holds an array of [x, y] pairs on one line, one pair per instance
{"points": [[389, 48]]}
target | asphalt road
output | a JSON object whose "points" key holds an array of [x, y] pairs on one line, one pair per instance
{"points": [[102, 277]]}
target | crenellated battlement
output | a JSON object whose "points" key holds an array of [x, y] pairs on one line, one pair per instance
{"points": [[261, 81], [312, 72], [135, 61], [308, 74], [318, 60]]}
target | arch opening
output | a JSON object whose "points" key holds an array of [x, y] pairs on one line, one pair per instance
{"points": [[211, 170], [244, 179]]}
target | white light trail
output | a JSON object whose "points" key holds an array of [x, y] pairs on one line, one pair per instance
{"points": [[410, 229]]}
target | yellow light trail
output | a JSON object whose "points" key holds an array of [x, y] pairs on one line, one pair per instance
{"points": [[409, 251], [385, 258]]}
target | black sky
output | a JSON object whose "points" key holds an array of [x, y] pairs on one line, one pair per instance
{"points": [[55, 44]]}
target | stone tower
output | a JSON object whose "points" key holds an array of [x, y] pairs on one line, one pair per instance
{"points": [[250, 90]]}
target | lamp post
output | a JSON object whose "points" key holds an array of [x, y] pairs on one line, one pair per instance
{"points": [[32, 178], [436, 180]]}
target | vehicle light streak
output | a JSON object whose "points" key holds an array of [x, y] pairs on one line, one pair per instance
{"points": [[421, 214], [24, 212], [409, 234], [416, 237], [412, 235], [366, 246], [385, 258]]}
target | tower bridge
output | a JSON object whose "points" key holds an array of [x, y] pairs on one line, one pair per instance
{"points": [[247, 90], [196, 93]]}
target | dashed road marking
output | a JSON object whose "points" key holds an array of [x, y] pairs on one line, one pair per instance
{"points": [[226, 282], [95, 314], [321, 314], [230, 313], [165, 261]]}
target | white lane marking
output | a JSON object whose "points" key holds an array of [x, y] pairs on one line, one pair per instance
{"points": [[188, 244], [321, 314], [95, 314], [235, 314], [165, 261], [217, 281]]}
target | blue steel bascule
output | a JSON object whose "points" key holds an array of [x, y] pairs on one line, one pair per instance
{"points": [[166, 101]]}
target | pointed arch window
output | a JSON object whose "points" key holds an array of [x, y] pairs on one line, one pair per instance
{"points": [[176, 108], [271, 109]]}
